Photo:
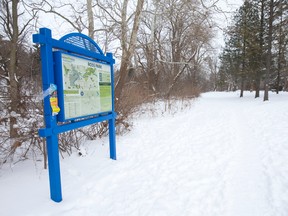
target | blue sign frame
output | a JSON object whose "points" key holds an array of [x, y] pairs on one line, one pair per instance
{"points": [[83, 46]]}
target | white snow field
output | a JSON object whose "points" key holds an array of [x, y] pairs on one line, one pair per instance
{"points": [[221, 156]]}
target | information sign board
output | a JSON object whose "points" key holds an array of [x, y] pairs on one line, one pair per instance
{"points": [[84, 81], [84, 86]]}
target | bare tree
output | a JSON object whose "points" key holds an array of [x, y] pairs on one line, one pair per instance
{"points": [[119, 17], [15, 32], [71, 13], [174, 39], [128, 47]]}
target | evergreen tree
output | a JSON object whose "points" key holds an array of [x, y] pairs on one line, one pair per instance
{"points": [[242, 49], [280, 43], [257, 46]]}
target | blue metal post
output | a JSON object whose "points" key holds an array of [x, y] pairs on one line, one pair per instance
{"points": [[112, 138], [45, 39], [112, 122]]}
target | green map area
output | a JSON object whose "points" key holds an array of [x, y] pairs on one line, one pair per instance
{"points": [[87, 87]]}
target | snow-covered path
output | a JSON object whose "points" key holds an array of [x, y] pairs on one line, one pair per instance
{"points": [[246, 185], [223, 156]]}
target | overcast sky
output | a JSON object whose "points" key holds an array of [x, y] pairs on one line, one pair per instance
{"points": [[222, 19]]}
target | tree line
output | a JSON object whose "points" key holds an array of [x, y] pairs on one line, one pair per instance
{"points": [[256, 51], [162, 48]]}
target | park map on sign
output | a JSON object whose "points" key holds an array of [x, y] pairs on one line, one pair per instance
{"points": [[86, 87]]}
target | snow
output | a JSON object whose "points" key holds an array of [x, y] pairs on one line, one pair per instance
{"points": [[222, 155]]}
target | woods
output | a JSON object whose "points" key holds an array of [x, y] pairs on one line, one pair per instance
{"points": [[255, 54], [163, 48]]}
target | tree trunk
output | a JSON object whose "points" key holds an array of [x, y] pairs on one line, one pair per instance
{"points": [[242, 87], [257, 85], [269, 51], [151, 67], [127, 53], [280, 55], [90, 19], [14, 85], [261, 42], [243, 73]]}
